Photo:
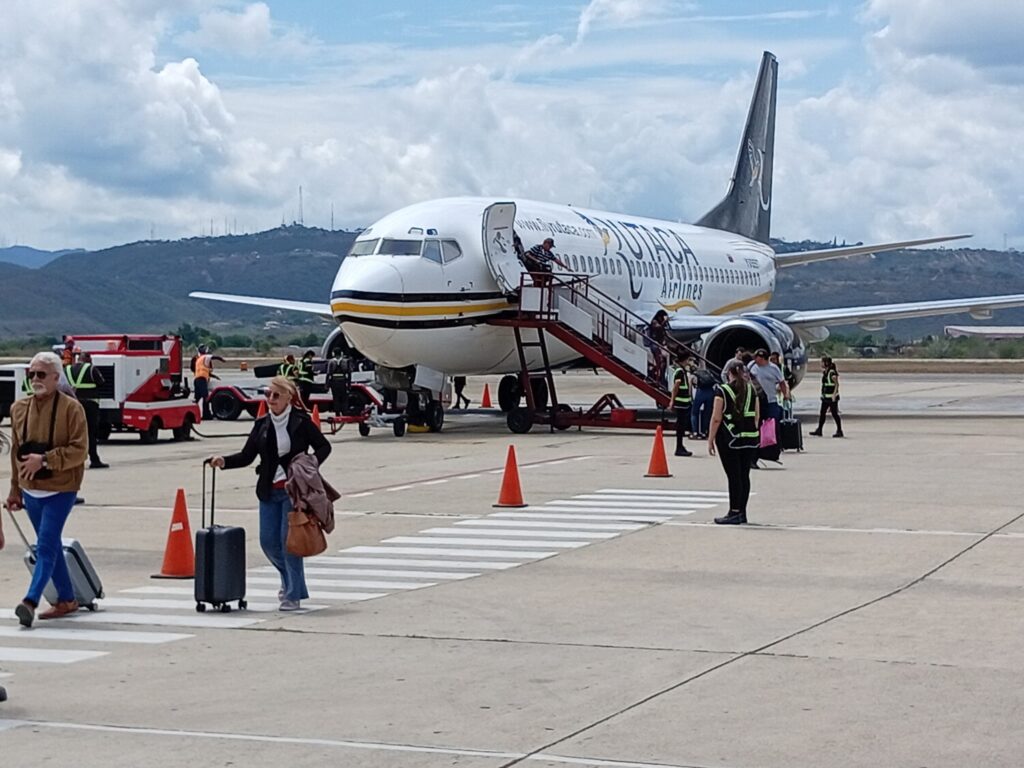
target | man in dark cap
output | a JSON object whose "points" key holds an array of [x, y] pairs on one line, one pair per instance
{"points": [[539, 258]]}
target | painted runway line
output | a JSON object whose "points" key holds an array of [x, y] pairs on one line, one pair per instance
{"points": [[46, 655]]}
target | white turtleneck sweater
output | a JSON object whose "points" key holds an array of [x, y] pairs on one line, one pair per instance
{"points": [[284, 442]]}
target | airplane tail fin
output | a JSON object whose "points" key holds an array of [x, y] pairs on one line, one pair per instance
{"points": [[747, 207]]}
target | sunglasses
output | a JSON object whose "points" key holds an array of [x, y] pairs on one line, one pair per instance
{"points": [[274, 395], [36, 374]]}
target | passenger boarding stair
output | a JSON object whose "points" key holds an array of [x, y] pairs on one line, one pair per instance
{"points": [[604, 332]]}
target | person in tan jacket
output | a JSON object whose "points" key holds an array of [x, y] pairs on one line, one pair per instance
{"points": [[50, 443]]}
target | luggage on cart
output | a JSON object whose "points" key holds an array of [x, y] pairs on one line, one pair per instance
{"points": [[791, 434], [220, 558], [84, 579]]}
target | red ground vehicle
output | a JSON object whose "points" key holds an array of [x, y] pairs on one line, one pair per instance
{"points": [[144, 389]]}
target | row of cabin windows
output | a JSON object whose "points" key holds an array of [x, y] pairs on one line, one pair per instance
{"points": [[445, 251], [601, 265]]}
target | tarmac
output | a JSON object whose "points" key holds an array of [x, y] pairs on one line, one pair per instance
{"points": [[869, 615]]}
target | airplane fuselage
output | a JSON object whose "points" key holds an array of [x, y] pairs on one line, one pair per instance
{"points": [[420, 284]]}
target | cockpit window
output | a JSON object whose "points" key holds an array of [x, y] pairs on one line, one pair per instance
{"points": [[432, 250], [452, 250], [363, 247], [394, 247]]}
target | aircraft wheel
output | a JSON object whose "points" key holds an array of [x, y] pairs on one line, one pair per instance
{"points": [[520, 420], [434, 416], [509, 393]]}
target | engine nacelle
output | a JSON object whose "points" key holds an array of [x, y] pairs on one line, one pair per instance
{"points": [[752, 332]]}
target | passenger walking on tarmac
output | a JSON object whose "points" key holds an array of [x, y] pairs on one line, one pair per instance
{"points": [[203, 370], [703, 402], [85, 379], [743, 356], [829, 397], [459, 385], [50, 442], [304, 378], [767, 378], [734, 434], [682, 398], [284, 433]]}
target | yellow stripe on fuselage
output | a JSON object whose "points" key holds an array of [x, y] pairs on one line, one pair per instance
{"points": [[398, 309], [679, 305], [763, 298]]}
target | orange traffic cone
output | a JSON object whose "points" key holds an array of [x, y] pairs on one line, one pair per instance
{"points": [[262, 411], [179, 557], [316, 417], [659, 464], [485, 402], [511, 494]]}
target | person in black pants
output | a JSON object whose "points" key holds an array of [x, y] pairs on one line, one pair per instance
{"points": [[682, 399], [736, 409], [277, 438], [86, 380], [829, 397]]}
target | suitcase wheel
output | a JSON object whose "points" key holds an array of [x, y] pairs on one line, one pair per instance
{"points": [[225, 608], [242, 605], [92, 606], [200, 607]]}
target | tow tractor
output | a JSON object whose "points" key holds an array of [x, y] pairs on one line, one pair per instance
{"points": [[144, 390]]}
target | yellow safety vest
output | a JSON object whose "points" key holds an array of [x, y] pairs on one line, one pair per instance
{"points": [[79, 382], [683, 397]]}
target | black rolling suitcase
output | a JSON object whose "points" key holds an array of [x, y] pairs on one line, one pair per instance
{"points": [[790, 435], [220, 558]]}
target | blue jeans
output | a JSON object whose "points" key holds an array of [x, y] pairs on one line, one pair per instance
{"points": [[48, 516], [700, 411], [273, 534]]}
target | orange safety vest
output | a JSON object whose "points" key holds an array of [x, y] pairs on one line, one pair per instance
{"points": [[203, 367]]}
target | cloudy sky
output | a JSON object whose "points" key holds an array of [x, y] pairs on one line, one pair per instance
{"points": [[122, 118]]}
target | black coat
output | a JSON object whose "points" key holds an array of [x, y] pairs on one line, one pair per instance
{"points": [[262, 442]]}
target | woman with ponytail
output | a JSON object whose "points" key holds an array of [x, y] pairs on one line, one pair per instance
{"points": [[734, 436]]}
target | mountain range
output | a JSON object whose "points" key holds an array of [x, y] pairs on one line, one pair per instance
{"points": [[144, 286]]}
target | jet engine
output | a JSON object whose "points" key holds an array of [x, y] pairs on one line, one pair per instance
{"points": [[753, 332]]}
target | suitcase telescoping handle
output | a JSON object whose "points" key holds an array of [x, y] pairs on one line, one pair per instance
{"points": [[213, 491], [14, 520]]}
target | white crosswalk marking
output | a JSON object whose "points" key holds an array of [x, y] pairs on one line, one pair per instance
{"points": [[569, 517], [232, 620], [94, 635], [47, 655], [439, 552], [381, 572], [158, 604], [487, 522], [483, 542], [544, 534], [720, 495], [475, 565], [658, 506], [313, 595], [348, 583]]}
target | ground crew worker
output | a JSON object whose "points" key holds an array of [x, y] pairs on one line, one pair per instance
{"points": [[203, 373], [67, 356], [85, 379], [682, 398], [339, 377], [304, 378], [736, 408], [829, 396], [288, 369]]}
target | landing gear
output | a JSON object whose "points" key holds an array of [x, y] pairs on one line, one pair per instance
{"points": [[434, 416], [423, 410], [509, 393], [540, 393]]}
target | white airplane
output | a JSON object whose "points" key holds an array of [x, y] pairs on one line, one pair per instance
{"points": [[420, 286]]}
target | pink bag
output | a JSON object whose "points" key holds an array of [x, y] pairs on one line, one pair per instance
{"points": [[768, 433]]}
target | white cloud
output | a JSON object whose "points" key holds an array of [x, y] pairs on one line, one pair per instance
{"points": [[616, 13], [250, 32]]}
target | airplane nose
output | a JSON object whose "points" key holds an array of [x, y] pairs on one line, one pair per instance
{"points": [[366, 301]]}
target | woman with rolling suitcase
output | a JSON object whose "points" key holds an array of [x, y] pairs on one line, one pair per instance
{"points": [[50, 443], [284, 433]]}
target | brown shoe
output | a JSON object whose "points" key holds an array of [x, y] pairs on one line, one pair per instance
{"points": [[63, 608]]}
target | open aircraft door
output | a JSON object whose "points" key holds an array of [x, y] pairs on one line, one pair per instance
{"points": [[499, 250]]}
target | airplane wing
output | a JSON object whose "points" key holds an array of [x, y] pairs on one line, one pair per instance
{"points": [[980, 308], [806, 257], [308, 307]]}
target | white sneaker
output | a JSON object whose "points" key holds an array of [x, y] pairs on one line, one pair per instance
{"points": [[289, 605]]}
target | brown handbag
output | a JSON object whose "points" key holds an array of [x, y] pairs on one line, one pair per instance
{"points": [[305, 536]]}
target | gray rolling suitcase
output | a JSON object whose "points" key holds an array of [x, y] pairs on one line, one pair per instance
{"points": [[85, 580]]}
